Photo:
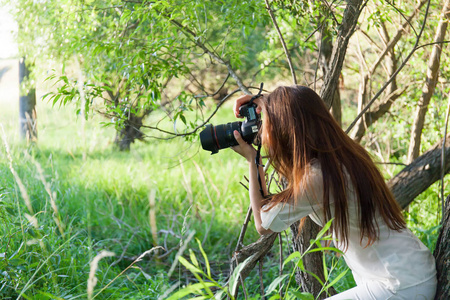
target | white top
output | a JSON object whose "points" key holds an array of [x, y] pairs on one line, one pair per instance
{"points": [[398, 259]]}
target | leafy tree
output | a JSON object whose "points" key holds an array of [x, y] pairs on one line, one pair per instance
{"points": [[131, 54]]}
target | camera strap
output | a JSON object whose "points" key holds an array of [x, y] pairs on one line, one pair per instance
{"points": [[257, 95], [257, 159], [258, 151]]}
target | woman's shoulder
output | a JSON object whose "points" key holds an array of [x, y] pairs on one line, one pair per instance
{"points": [[314, 169], [315, 175], [313, 179], [314, 164]]}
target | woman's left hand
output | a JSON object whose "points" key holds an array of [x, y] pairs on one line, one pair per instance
{"points": [[243, 148]]}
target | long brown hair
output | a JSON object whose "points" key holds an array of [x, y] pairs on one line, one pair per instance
{"points": [[299, 128]]}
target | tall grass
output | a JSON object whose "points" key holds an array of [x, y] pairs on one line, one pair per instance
{"points": [[59, 211]]}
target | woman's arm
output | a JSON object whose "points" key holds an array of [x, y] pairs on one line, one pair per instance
{"points": [[255, 195], [256, 198]]}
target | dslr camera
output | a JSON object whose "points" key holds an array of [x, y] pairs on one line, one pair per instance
{"points": [[214, 138]]}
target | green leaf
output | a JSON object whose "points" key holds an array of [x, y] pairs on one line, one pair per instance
{"points": [[291, 257], [193, 258], [31, 232], [50, 296], [325, 248], [219, 295], [190, 289], [342, 274], [313, 275], [325, 268], [46, 95], [275, 283], [65, 79], [324, 230], [188, 265], [205, 257], [183, 118], [16, 262], [10, 211], [300, 265], [232, 284], [302, 296]]}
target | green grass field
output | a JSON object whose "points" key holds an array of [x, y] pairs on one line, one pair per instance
{"points": [[105, 203], [60, 211]]}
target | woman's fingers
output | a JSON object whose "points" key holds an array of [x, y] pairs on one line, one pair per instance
{"points": [[244, 149], [239, 102], [239, 138]]}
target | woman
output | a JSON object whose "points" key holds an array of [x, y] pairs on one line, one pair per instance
{"points": [[331, 176]]}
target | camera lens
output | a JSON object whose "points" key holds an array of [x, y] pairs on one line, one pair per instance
{"points": [[214, 138]]}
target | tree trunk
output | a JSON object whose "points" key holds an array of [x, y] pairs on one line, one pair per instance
{"points": [[27, 106], [346, 30], [129, 132], [326, 47], [420, 174], [429, 86], [442, 255], [312, 261]]}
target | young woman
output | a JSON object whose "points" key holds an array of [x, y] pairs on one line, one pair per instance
{"points": [[331, 176]]}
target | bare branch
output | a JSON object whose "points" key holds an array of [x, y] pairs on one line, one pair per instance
{"points": [[283, 43], [174, 134], [363, 111], [196, 41], [429, 85], [216, 92], [370, 117], [408, 20], [256, 251], [240, 241]]}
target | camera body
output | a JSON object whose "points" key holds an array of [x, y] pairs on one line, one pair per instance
{"points": [[214, 138]]}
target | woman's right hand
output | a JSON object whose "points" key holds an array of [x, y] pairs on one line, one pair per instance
{"points": [[245, 99]]}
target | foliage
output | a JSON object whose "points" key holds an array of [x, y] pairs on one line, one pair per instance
{"points": [[207, 287], [130, 53]]}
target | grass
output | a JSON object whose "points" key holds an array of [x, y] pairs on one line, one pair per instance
{"points": [[116, 202], [103, 204]]}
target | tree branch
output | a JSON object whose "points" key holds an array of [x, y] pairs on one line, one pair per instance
{"points": [[213, 55], [347, 27], [393, 93], [429, 85], [174, 134], [363, 111], [420, 174], [256, 250], [283, 43]]}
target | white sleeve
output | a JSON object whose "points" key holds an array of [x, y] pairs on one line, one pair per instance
{"points": [[309, 200]]}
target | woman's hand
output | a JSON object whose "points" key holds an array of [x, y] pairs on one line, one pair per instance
{"points": [[243, 148], [245, 99]]}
